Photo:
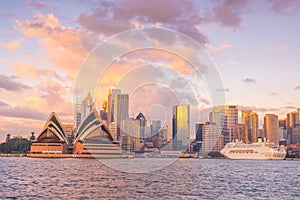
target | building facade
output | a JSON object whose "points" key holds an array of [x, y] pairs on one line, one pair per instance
{"points": [[271, 128], [181, 127]]}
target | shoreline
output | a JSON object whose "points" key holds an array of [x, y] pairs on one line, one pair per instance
{"points": [[87, 156]]}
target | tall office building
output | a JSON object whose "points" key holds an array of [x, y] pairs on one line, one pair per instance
{"points": [[181, 127], [292, 120], [155, 127], [199, 131], [253, 127], [130, 134], [227, 118], [250, 119], [169, 132], [84, 108], [242, 133], [143, 124], [213, 140], [271, 128], [110, 104], [121, 104]]}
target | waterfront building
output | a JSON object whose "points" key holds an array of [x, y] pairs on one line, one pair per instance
{"points": [[51, 139], [121, 106], [271, 128], [103, 112], [130, 133], [199, 131], [213, 139], [83, 108], [181, 127], [155, 127], [93, 138], [295, 134], [242, 133], [142, 124], [169, 132], [227, 118], [110, 104]]}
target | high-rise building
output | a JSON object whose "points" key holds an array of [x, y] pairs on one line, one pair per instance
{"points": [[181, 127], [242, 133], [227, 118], [155, 127], [271, 128], [291, 121], [213, 140], [199, 131], [110, 104], [253, 127], [130, 134], [250, 119], [143, 124], [169, 132], [83, 108], [121, 104]]}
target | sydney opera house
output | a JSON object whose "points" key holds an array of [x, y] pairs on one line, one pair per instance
{"points": [[92, 139]]}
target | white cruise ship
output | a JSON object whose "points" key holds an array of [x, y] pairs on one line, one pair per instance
{"points": [[255, 151]]}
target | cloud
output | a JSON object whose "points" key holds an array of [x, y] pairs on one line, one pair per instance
{"points": [[19, 112], [223, 90], [249, 80], [2, 103], [116, 16], [297, 87], [272, 48], [11, 45], [291, 6], [10, 83], [203, 100], [65, 47], [273, 94], [290, 107], [36, 4], [229, 13], [7, 15], [216, 50]]}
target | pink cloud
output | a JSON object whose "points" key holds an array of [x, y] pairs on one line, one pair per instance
{"points": [[291, 6], [116, 16], [65, 47], [229, 13]]}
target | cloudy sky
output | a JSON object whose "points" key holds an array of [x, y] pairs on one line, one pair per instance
{"points": [[254, 45]]}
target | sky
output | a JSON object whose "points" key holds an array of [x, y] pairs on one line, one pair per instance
{"points": [[254, 46]]}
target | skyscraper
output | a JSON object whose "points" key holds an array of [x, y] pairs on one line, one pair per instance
{"points": [[155, 127], [271, 128], [213, 140], [121, 104], [250, 119], [83, 108], [253, 127], [110, 104], [227, 118], [181, 127], [199, 130], [242, 133], [143, 124]]}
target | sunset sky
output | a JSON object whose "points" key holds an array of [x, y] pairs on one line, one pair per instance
{"points": [[254, 44]]}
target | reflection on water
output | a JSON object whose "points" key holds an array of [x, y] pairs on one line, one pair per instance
{"points": [[29, 178]]}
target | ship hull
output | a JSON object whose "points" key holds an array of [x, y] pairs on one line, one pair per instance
{"points": [[252, 152]]}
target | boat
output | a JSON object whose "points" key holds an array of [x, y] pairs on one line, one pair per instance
{"points": [[255, 151]]}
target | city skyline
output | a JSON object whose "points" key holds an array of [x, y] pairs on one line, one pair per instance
{"points": [[42, 48]]}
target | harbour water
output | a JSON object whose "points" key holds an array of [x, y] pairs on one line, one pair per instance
{"points": [[31, 178]]}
